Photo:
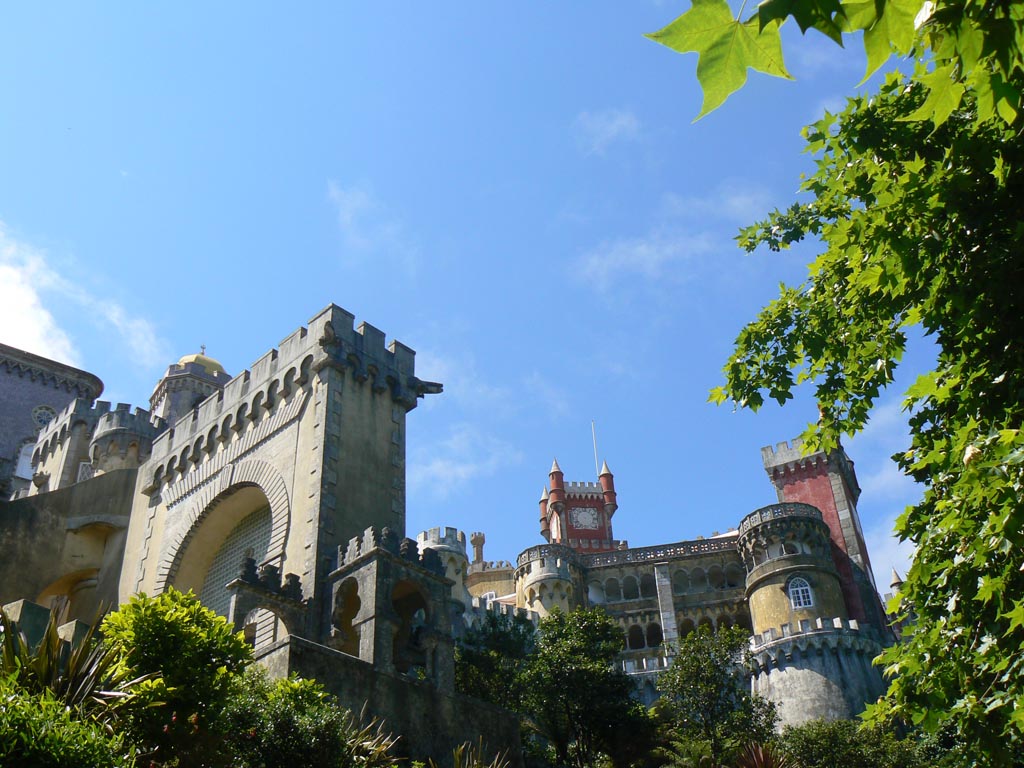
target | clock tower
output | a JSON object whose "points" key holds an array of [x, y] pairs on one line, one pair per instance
{"points": [[578, 515]]}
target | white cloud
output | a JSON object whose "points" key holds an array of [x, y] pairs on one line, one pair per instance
{"points": [[660, 254], [26, 323], [596, 131], [442, 469], [463, 383], [368, 228], [29, 285], [733, 201]]}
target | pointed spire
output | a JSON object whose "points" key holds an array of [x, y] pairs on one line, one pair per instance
{"points": [[604, 469], [555, 467], [896, 580], [544, 494]]}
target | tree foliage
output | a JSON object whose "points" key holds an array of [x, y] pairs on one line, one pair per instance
{"points": [[293, 722], [971, 45], [576, 697], [707, 694], [920, 226], [194, 654], [822, 744], [38, 730], [490, 660]]}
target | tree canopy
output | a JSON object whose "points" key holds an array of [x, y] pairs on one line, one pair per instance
{"points": [[707, 694], [920, 226], [972, 46]]}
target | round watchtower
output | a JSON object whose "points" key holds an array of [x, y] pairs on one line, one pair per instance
{"points": [[809, 657], [790, 573], [548, 577]]}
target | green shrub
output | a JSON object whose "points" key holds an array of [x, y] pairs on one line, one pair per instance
{"points": [[196, 654], [294, 723], [39, 731]]}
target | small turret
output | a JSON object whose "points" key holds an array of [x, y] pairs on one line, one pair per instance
{"points": [[545, 527], [477, 539], [607, 481], [557, 495], [897, 581]]}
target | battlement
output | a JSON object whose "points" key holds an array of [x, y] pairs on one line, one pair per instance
{"points": [[138, 421], [789, 509], [805, 628], [783, 453], [490, 565], [93, 416], [482, 606], [582, 490], [385, 540], [329, 339], [777, 647], [447, 538]]}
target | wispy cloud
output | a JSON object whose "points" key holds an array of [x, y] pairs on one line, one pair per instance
{"points": [[545, 392], [887, 551], [441, 469], [732, 201], [368, 228], [653, 257], [30, 285], [597, 131], [463, 382]]}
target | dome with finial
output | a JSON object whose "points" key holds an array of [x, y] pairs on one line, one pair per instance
{"points": [[212, 366]]}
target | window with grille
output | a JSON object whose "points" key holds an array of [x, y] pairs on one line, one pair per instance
{"points": [[800, 593]]}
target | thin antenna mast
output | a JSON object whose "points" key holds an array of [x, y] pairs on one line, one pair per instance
{"points": [[593, 432]]}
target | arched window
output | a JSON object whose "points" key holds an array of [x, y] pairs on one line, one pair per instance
{"points": [[612, 591], [800, 595], [630, 589], [654, 635], [648, 587], [635, 637], [23, 468]]}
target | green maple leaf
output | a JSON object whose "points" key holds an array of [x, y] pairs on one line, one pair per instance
{"points": [[726, 47], [893, 29], [808, 14], [944, 96]]}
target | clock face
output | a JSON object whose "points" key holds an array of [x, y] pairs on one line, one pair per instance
{"points": [[584, 517]]}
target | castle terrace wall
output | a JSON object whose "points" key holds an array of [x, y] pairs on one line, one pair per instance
{"points": [[69, 532], [431, 722]]}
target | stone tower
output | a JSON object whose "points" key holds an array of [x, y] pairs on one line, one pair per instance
{"points": [[828, 482], [578, 515], [186, 384], [810, 657]]}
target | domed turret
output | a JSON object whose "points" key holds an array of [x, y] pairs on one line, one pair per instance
{"points": [[186, 384]]}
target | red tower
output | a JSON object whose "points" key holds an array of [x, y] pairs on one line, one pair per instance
{"points": [[828, 482], [579, 515]]}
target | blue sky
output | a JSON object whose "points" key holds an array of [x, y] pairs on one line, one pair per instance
{"points": [[515, 190]]}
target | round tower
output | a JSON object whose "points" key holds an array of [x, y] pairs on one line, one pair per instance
{"points": [[450, 545], [548, 577], [809, 657], [186, 384], [123, 439]]}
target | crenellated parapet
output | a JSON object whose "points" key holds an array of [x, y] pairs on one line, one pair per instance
{"points": [[777, 531], [273, 390], [387, 540], [788, 461], [820, 669], [549, 576], [119, 432], [82, 433], [449, 539]]}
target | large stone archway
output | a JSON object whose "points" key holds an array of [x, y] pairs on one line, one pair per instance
{"points": [[210, 516]]}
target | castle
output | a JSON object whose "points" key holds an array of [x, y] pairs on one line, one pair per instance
{"points": [[278, 496]]}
